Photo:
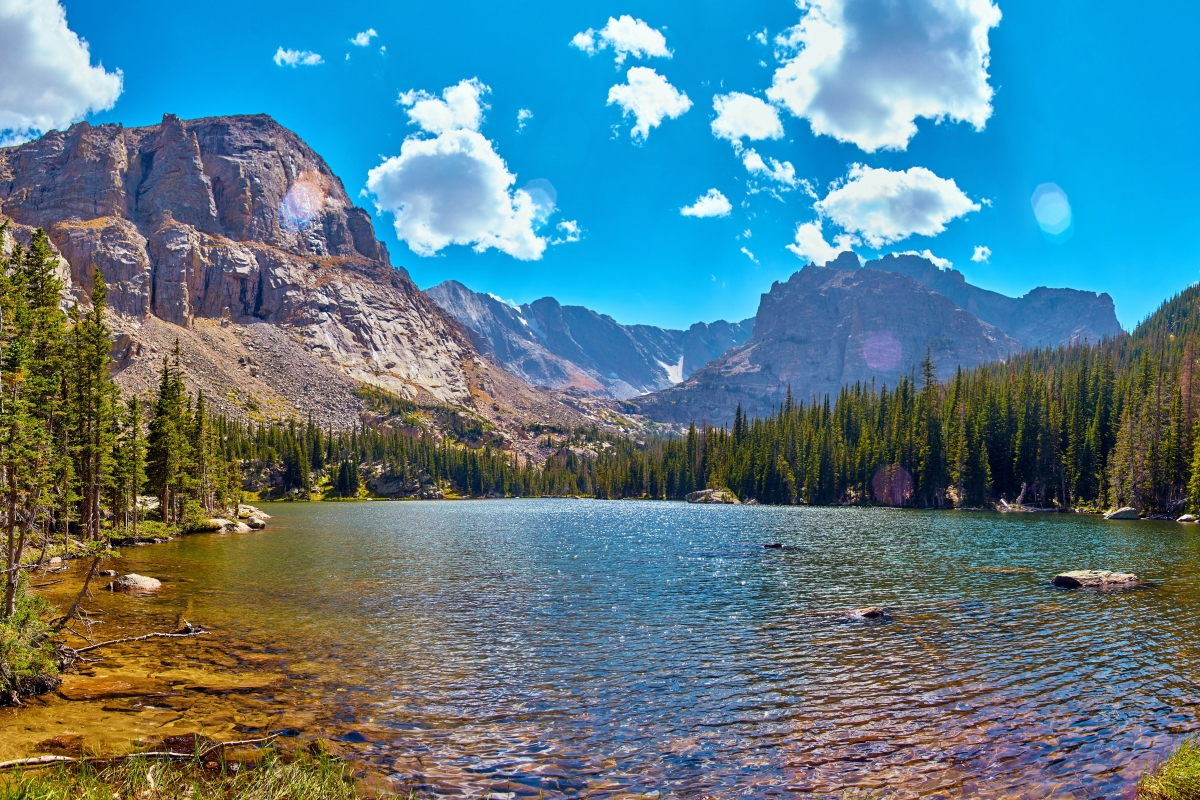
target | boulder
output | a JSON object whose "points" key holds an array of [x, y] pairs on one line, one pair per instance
{"points": [[868, 612], [713, 496], [54, 562], [256, 523], [1122, 513], [1187, 518], [246, 512], [1096, 579], [107, 573], [135, 584]]}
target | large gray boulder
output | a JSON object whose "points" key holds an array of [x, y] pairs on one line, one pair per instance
{"points": [[1096, 579], [135, 584], [1125, 512]]}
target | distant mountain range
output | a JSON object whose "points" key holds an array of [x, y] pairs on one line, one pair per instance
{"points": [[830, 326], [572, 348], [232, 237]]}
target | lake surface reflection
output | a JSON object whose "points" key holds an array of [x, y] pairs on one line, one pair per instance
{"points": [[552, 647]]}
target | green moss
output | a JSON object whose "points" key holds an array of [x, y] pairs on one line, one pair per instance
{"points": [[303, 778], [1177, 778]]}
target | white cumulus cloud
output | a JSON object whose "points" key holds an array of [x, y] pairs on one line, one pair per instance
{"points": [[569, 231], [863, 71], [927, 254], [650, 98], [451, 187], [626, 36], [297, 58], [810, 244], [982, 254], [711, 204], [745, 116], [781, 172], [363, 38], [459, 107], [47, 80], [884, 206]]}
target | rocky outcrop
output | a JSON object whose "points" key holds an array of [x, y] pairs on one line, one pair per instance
{"points": [[233, 236], [713, 497], [1042, 318], [1123, 514], [574, 348], [1100, 579], [828, 327]]}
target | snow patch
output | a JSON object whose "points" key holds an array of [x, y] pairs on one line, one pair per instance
{"points": [[674, 371]]}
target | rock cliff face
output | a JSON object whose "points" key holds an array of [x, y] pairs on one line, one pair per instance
{"points": [[1042, 318], [828, 327], [573, 348], [232, 235]]}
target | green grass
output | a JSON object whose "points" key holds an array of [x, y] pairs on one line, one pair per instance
{"points": [[1177, 778], [271, 778]]}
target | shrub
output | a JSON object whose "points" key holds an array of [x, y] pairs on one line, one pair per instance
{"points": [[195, 519], [27, 662], [1177, 778]]}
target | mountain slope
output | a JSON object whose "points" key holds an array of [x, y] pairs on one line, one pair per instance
{"points": [[574, 348], [827, 327], [232, 235]]}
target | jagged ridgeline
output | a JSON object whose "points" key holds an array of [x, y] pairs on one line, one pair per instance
{"points": [[1080, 426]]}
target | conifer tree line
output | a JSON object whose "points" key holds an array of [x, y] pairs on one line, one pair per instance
{"points": [[73, 455]]}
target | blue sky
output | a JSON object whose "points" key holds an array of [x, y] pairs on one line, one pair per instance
{"points": [[1095, 99]]}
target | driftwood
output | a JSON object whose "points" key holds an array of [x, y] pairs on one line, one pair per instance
{"points": [[62, 621], [186, 631], [42, 761]]}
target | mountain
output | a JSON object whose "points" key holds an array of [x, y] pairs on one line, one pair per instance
{"points": [[573, 348], [230, 235], [827, 327], [1042, 318]]}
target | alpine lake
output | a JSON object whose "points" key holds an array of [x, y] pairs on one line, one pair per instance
{"points": [[574, 648]]}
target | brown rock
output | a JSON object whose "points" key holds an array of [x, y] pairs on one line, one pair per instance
{"points": [[66, 744], [135, 584], [78, 687]]}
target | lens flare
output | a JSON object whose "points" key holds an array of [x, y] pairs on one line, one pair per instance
{"points": [[1052, 210], [544, 197], [303, 202], [881, 350]]}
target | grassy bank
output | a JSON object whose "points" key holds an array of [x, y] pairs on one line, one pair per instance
{"points": [[1176, 778], [266, 777]]}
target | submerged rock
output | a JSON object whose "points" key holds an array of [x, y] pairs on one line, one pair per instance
{"points": [[1096, 579], [134, 584], [77, 687], [1122, 513], [714, 496]]}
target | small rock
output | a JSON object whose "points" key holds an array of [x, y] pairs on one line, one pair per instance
{"points": [[65, 744], [135, 584], [55, 561], [107, 573], [1122, 513], [869, 612], [1187, 518], [1095, 579]]}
